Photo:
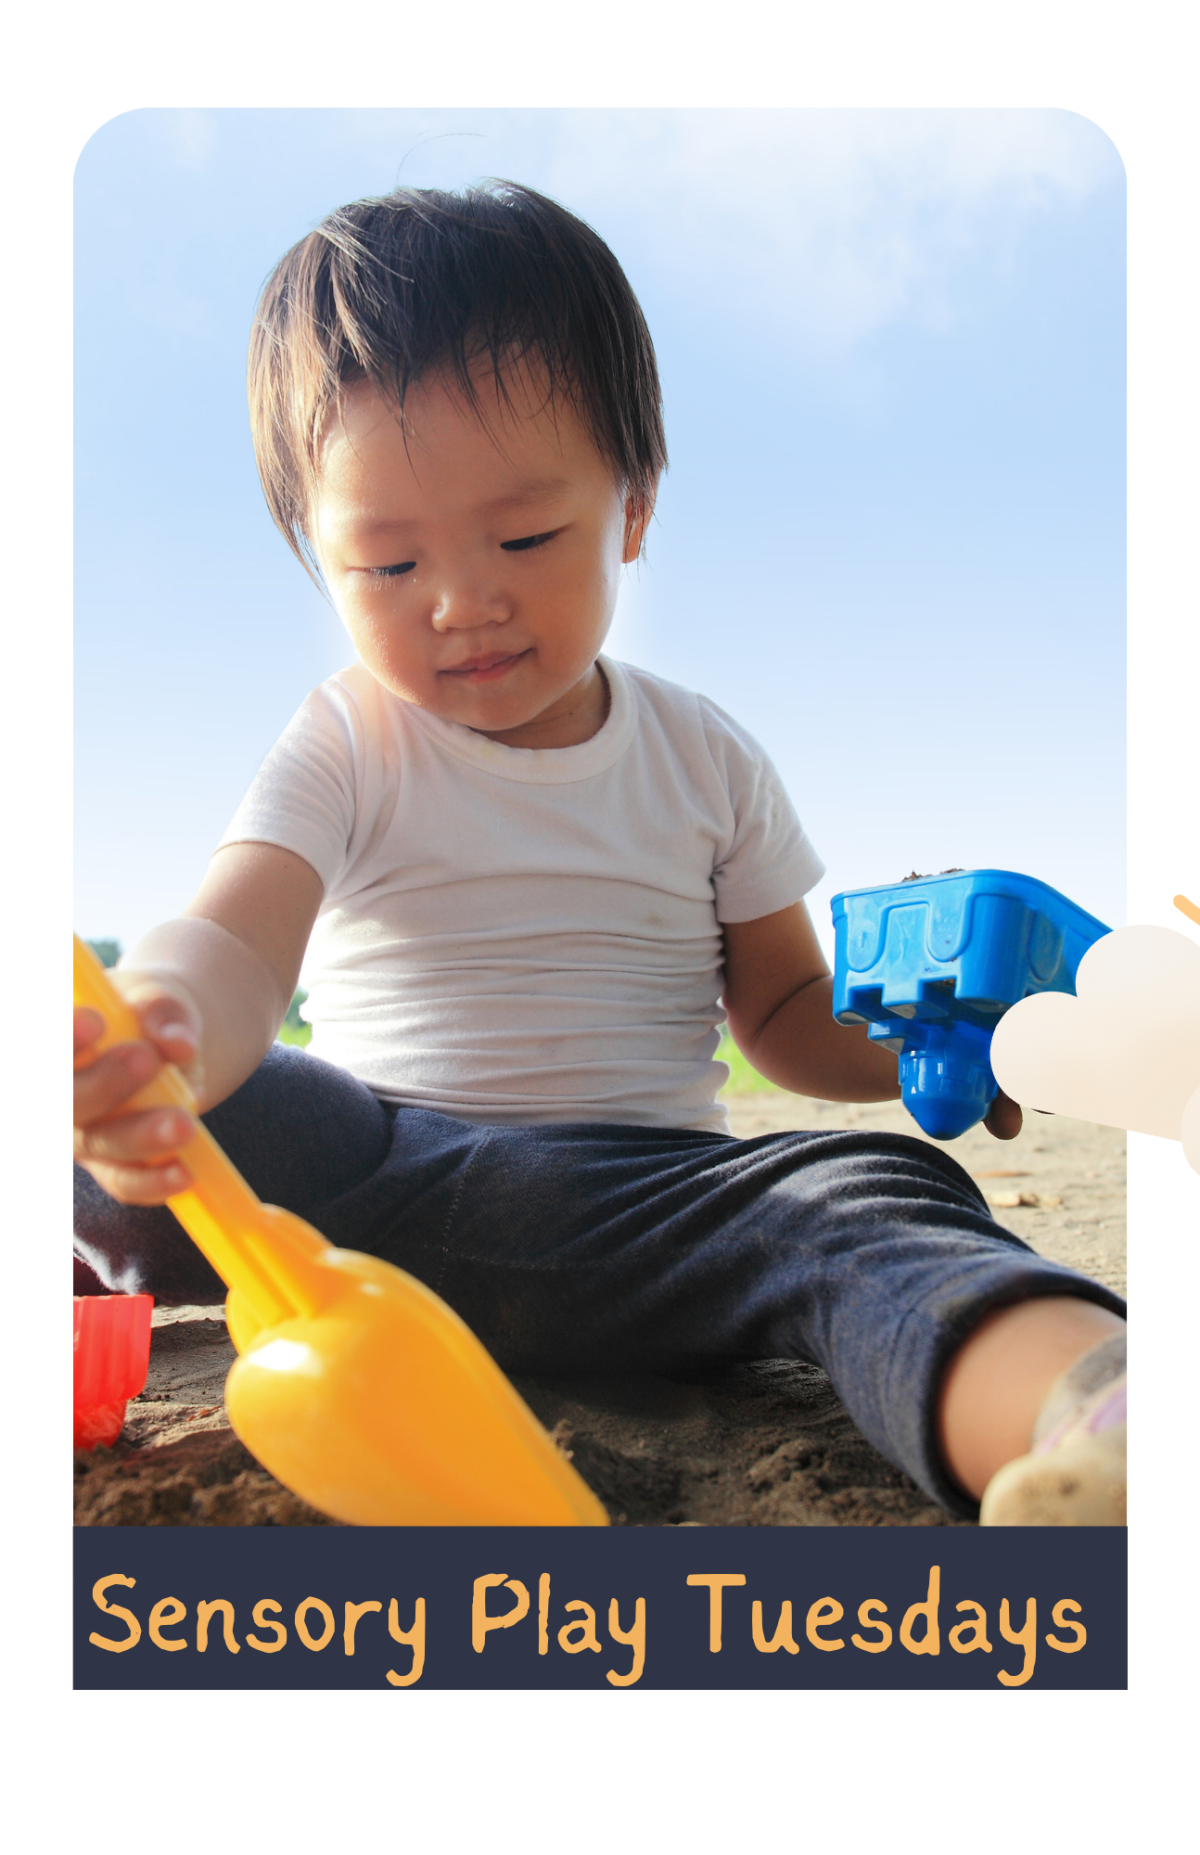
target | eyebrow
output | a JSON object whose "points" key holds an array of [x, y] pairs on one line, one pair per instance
{"points": [[530, 492]]}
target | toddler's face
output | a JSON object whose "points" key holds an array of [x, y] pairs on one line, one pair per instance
{"points": [[476, 567]]}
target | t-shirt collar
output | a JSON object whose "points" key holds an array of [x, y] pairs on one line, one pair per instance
{"points": [[543, 766]]}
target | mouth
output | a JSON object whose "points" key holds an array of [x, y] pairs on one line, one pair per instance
{"points": [[489, 667]]}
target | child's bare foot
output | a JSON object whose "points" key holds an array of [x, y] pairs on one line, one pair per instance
{"points": [[1075, 1473], [998, 1382]]}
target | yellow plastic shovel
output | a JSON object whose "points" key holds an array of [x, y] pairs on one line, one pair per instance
{"points": [[356, 1386]]}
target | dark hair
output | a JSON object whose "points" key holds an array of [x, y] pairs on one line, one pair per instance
{"points": [[389, 289]]}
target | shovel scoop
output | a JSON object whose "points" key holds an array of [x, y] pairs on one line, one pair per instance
{"points": [[355, 1385]]}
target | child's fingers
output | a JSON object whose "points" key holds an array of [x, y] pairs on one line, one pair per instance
{"points": [[148, 1137], [102, 1087], [89, 1028], [1004, 1118], [169, 1029], [168, 1020], [141, 1185]]}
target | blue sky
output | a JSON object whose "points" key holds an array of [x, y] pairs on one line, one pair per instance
{"points": [[891, 538]]}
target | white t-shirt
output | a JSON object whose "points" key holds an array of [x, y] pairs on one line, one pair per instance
{"points": [[526, 935]]}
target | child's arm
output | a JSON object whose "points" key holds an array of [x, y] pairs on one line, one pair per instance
{"points": [[778, 998], [211, 990]]}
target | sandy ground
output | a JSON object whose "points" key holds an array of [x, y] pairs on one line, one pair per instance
{"points": [[765, 1445]]}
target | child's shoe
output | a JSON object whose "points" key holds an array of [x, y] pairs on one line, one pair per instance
{"points": [[1074, 1476]]}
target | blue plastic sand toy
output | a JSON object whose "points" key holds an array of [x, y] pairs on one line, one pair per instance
{"points": [[932, 963]]}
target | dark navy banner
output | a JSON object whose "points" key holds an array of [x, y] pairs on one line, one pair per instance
{"points": [[548, 1607]]}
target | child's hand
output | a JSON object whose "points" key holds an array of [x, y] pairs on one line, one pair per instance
{"points": [[131, 1152], [1003, 1118]]}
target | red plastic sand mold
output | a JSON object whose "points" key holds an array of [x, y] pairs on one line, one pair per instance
{"points": [[112, 1357]]}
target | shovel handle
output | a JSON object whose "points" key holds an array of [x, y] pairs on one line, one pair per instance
{"points": [[220, 1212], [93, 988]]}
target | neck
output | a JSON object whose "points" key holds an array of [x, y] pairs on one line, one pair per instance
{"points": [[573, 719]]}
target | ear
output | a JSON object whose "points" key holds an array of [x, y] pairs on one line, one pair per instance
{"points": [[638, 510]]}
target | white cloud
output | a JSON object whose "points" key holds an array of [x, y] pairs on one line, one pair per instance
{"points": [[820, 227], [1126, 1050], [826, 225], [834, 222]]}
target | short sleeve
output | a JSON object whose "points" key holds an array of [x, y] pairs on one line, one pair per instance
{"points": [[769, 863], [302, 797]]}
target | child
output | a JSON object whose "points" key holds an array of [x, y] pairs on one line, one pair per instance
{"points": [[528, 879]]}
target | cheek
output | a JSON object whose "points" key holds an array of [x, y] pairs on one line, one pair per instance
{"points": [[577, 603], [357, 621], [362, 606], [591, 578], [373, 638]]}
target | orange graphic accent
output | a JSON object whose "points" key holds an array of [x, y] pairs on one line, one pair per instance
{"points": [[1188, 908]]}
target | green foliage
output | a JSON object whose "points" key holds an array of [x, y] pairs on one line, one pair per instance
{"points": [[744, 1079], [108, 952], [293, 1029]]}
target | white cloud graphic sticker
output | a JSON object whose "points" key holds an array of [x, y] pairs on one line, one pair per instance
{"points": [[1189, 1132], [1125, 1051]]}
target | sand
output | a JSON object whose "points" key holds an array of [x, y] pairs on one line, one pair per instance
{"points": [[763, 1445]]}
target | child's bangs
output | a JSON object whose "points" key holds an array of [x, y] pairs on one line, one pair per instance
{"points": [[495, 283]]}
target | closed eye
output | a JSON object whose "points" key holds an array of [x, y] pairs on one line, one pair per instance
{"points": [[391, 573], [528, 541]]}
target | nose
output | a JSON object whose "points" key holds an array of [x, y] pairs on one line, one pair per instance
{"points": [[467, 600]]}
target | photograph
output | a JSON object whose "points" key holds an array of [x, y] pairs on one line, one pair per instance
{"points": [[600, 677]]}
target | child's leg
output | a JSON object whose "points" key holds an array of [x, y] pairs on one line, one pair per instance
{"points": [[598, 1248], [301, 1131], [593, 1249]]}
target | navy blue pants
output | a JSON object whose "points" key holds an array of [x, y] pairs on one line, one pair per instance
{"points": [[592, 1248]]}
